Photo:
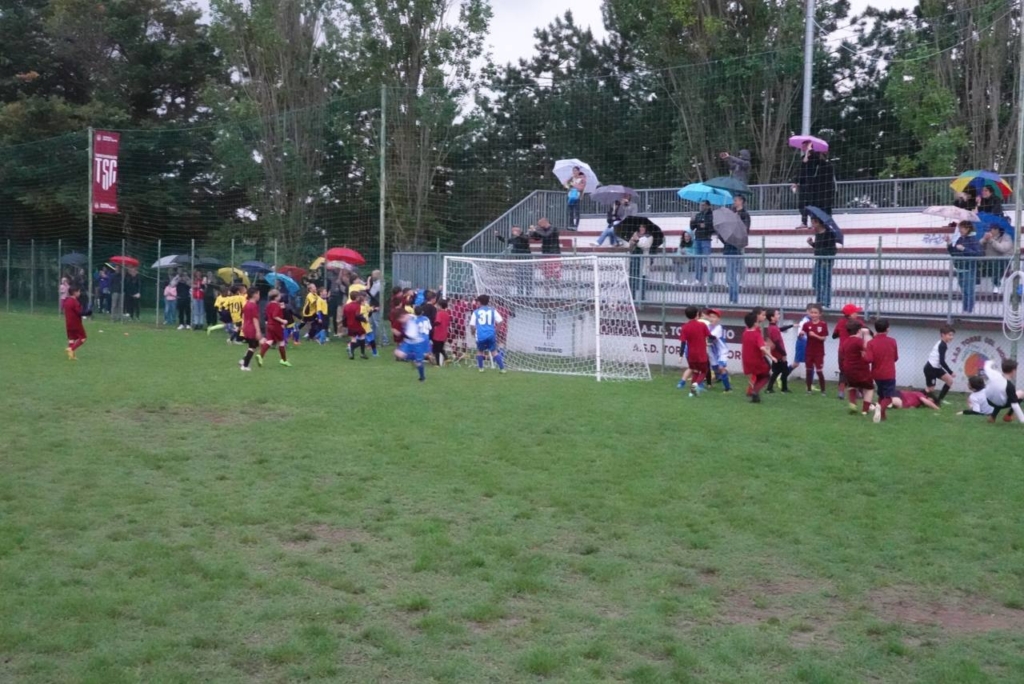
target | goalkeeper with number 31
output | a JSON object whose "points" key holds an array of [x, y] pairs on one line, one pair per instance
{"points": [[484, 325]]}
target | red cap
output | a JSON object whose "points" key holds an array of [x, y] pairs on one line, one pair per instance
{"points": [[851, 309], [713, 311]]}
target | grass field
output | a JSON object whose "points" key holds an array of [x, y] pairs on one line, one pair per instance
{"points": [[166, 518]]}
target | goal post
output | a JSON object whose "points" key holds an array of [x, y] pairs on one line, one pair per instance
{"points": [[561, 315]]}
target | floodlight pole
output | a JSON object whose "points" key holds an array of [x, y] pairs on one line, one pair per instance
{"points": [[383, 175], [1017, 181], [805, 124]]}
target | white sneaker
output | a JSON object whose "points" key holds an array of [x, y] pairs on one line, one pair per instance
{"points": [[877, 418], [181, 327], [995, 290], [245, 368]]}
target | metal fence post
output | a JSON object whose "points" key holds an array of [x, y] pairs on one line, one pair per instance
{"points": [[59, 276], [124, 271], [275, 253], [782, 287], [159, 252], [764, 274], [7, 286], [949, 299], [32, 279]]}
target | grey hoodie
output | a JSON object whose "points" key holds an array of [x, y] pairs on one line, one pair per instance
{"points": [[739, 167]]}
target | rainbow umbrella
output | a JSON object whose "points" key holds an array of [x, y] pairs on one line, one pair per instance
{"points": [[982, 179]]}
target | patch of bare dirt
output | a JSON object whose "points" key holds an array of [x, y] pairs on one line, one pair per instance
{"points": [[304, 535], [802, 605], [953, 614]]}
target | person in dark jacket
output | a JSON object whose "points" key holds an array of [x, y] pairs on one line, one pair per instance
{"points": [[814, 183], [968, 199], [132, 292], [739, 167], [966, 252], [734, 264], [183, 290], [989, 202], [519, 243], [703, 226], [616, 213], [824, 245], [548, 236]]}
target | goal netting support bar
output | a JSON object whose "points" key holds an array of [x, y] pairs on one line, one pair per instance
{"points": [[562, 315]]}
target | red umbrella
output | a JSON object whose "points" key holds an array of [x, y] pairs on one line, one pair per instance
{"points": [[349, 256], [125, 261], [293, 272]]}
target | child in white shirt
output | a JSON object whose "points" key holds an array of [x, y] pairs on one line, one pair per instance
{"points": [[977, 402]]}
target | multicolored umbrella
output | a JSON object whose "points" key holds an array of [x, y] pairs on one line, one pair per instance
{"points": [[982, 179], [700, 192], [817, 144], [317, 263], [171, 261], [349, 256]]}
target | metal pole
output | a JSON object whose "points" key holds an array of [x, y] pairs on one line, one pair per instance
{"points": [[764, 272], [192, 283], [89, 269], [324, 276], [7, 285], [159, 252], [232, 261], [383, 172], [59, 276], [32, 280], [124, 272], [878, 281], [1018, 186], [805, 125], [597, 317]]}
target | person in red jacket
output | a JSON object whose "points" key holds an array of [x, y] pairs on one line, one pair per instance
{"points": [[780, 363], [352, 316], [276, 324], [695, 336], [757, 358], [439, 333], [816, 332], [251, 328], [858, 372], [851, 312], [882, 353], [73, 321]]}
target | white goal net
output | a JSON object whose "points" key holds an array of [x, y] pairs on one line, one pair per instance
{"points": [[571, 315]]}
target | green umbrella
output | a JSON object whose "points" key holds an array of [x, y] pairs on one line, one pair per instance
{"points": [[729, 184]]}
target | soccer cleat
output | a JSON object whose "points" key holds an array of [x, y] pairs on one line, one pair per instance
{"points": [[70, 353], [364, 357], [503, 371], [681, 384], [481, 370], [208, 331], [286, 364], [244, 368], [1008, 418], [691, 395], [877, 418], [853, 409], [755, 399], [259, 360]]}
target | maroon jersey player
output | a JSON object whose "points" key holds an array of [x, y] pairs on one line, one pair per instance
{"points": [[816, 331]]}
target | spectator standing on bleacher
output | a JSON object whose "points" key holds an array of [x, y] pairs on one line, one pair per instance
{"points": [[518, 243], [998, 248], [739, 167], [965, 252], [734, 255], [824, 245], [703, 226], [576, 185], [548, 236], [815, 183]]}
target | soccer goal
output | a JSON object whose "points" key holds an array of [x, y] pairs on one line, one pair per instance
{"points": [[570, 316]]}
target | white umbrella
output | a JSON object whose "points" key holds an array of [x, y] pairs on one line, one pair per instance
{"points": [[563, 172], [170, 261], [951, 213]]}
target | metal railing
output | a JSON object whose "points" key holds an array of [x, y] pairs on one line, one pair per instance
{"points": [[920, 286], [855, 195]]}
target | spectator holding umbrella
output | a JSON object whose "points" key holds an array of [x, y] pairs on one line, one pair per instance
{"points": [[616, 214], [965, 252], [133, 292], [703, 226], [824, 245], [968, 199], [734, 263], [989, 202], [739, 167], [805, 183], [576, 185]]}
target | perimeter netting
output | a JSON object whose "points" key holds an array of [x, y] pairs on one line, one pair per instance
{"points": [[568, 316]]}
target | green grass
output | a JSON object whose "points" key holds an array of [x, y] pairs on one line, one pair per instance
{"points": [[166, 518]]}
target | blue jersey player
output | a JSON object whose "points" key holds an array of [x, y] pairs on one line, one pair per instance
{"points": [[416, 342], [484, 325]]}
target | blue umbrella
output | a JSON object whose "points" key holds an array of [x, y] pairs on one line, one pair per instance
{"points": [[280, 279], [829, 222], [699, 192], [254, 267], [995, 221]]}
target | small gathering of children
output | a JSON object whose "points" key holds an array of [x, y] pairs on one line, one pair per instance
{"points": [[867, 363]]}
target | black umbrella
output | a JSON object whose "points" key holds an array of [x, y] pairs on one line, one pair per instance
{"points": [[630, 224], [74, 259], [208, 263], [729, 184]]}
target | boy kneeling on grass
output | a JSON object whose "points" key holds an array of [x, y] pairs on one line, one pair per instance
{"points": [[1001, 392]]}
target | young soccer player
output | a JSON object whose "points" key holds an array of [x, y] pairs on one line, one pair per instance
{"points": [[852, 353], [780, 365], [73, 315], [977, 402], [695, 334], [236, 302], [251, 327], [882, 353], [936, 367], [483, 324], [800, 353], [367, 311], [719, 350], [439, 334], [309, 306], [276, 325], [909, 399], [223, 314], [816, 331], [756, 358], [413, 338], [1001, 392], [851, 312], [352, 315]]}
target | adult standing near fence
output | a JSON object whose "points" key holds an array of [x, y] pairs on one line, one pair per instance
{"points": [[133, 292], [733, 254], [965, 252], [703, 226], [374, 289], [739, 167], [824, 245], [549, 246], [114, 287], [198, 305], [518, 243], [183, 292], [576, 185], [103, 288]]}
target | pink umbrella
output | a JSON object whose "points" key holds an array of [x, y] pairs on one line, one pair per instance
{"points": [[817, 144]]}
